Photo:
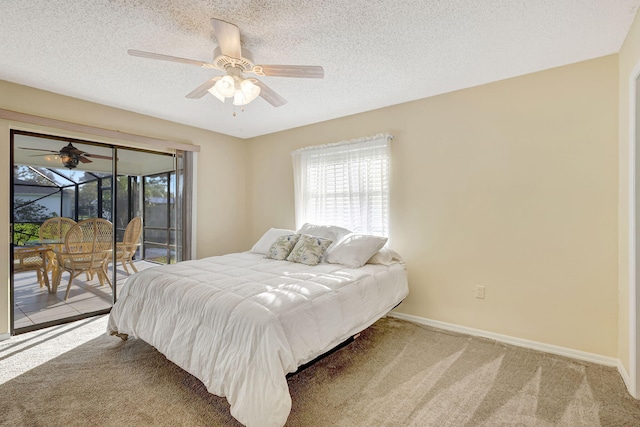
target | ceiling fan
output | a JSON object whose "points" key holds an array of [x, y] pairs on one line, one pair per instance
{"points": [[70, 155], [228, 57]]}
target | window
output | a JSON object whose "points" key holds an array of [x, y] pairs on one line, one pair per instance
{"points": [[344, 184]]}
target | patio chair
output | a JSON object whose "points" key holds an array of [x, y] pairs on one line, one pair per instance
{"points": [[52, 233], [55, 229], [87, 249], [126, 249], [32, 259]]}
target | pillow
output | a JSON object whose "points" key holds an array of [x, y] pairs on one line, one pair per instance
{"points": [[354, 250], [385, 256], [263, 245], [282, 246], [331, 232], [309, 249]]}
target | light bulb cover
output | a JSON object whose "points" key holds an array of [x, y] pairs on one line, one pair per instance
{"points": [[250, 90], [226, 86], [238, 98], [242, 91]]}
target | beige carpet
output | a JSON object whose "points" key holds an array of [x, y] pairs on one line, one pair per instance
{"points": [[396, 374]]}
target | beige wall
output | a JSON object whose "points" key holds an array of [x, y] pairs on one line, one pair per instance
{"points": [[221, 218], [511, 185], [629, 64]]}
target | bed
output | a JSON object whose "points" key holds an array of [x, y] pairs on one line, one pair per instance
{"points": [[241, 322]]}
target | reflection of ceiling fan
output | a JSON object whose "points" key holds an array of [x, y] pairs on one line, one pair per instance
{"points": [[229, 58], [70, 155]]}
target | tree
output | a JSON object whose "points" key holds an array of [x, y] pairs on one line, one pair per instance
{"points": [[27, 217], [25, 173], [29, 211]]}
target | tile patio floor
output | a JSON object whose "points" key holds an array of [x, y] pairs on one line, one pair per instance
{"points": [[34, 305]]}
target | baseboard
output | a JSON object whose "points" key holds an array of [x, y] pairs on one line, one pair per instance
{"points": [[625, 377], [533, 345], [4, 336]]}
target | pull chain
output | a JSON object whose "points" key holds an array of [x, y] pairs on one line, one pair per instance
{"points": [[234, 110]]}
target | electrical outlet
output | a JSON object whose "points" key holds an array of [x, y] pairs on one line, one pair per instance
{"points": [[479, 292]]}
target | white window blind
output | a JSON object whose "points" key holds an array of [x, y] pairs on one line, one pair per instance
{"points": [[344, 184]]}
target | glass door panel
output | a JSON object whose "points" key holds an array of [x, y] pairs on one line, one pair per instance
{"points": [[160, 214], [60, 180]]}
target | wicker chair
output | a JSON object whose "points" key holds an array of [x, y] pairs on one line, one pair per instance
{"points": [[126, 249], [32, 259], [55, 228], [52, 233], [87, 249]]}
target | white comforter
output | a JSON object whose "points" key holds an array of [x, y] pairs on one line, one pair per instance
{"points": [[240, 322]]}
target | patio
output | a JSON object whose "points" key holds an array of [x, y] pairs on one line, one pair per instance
{"points": [[34, 305]]}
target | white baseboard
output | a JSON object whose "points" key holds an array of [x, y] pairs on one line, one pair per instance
{"points": [[5, 336], [625, 377], [533, 345]]}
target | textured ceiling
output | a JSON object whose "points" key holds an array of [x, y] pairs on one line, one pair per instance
{"points": [[375, 53]]}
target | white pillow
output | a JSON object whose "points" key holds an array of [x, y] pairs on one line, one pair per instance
{"points": [[331, 232], [263, 245], [354, 250], [385, 256]]}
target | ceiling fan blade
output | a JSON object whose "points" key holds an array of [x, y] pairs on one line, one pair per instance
{"points": [[228, 36], [38, 149], [304, 71], [83, 159], [72, 150], [201, 90], [269, 95], [97, 156], [162, 57]]}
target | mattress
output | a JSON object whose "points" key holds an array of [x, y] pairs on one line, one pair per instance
{"points": [[241, 322]]}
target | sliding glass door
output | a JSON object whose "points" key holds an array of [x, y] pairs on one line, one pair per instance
{"points": [[61, 182]]}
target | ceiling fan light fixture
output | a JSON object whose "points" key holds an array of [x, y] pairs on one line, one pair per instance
{"points": [[69, 157], [243, 91], [225, 86], [238, 99], [250, 90], [247, 92], [69, 160]]}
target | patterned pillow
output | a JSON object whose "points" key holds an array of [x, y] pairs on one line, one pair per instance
{"points": [[331, 232], [309, 249], [262, 246], [282, 246]]}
